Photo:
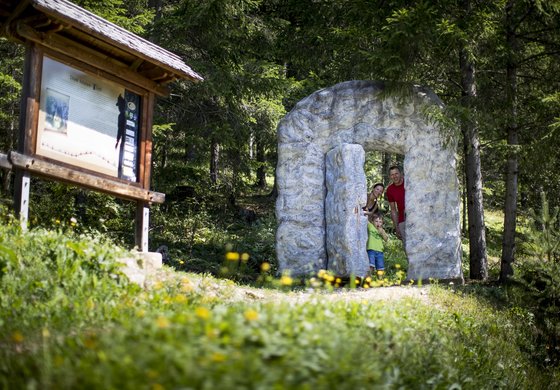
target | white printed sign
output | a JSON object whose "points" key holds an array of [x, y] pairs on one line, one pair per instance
{"points": [[87, 121]]}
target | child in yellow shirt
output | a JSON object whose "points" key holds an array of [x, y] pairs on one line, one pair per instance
{"points": [[376, 236]]}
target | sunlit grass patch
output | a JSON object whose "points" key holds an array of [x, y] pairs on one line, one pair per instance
{"points": [[70, 319]]}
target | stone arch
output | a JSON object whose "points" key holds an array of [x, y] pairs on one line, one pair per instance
{"points": [[356, 112]]}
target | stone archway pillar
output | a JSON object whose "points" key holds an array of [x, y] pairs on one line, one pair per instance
{"points": [[346, 225], [356, 112]]}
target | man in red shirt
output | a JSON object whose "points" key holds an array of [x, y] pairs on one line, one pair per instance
{"points": [[395, 196]]}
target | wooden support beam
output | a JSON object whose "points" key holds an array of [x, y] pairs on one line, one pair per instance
{"points": [[136, 64], [37, 21], [91, 57], [116, 187], [5, 162]]}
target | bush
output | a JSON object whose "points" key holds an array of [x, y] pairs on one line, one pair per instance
{"points": [[537, 283], [55, 277], [537, 288]]}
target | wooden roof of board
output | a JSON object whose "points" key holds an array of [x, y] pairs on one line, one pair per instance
{"points": [[60, 23]]}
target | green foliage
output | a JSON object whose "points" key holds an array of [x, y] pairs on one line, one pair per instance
{"points": [[546, 239], [133, 15], [537, 288], [226, 126], [47, 278], [199, 232], [12, 87], [69, 320], [537, 283], [54, 203], [11, 69]]}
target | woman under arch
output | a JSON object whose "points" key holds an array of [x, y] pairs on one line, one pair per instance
{"points": [[374, 200]]}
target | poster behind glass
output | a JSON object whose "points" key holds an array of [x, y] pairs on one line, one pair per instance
{"points": [[88, 121]]}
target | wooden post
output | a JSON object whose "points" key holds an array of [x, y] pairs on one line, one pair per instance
{"points": [[142, 225], [29, 112], [144, 172], [21, 196]]}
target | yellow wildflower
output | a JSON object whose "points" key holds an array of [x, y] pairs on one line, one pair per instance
{"points": [[285, 280], [202, 312], [244, 256], [157, 386], [265, 267], [162, 322], [397, 266], [212, 333], [218, 357], [17, 337], [180, 298], [232, 256], [251, 315]]}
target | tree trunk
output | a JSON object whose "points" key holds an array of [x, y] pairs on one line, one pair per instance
{"points": [[251, 145], [464, 227], [214, 160], [157, 6], [163, 152], [261, 170], [386, 164], [477, 235], [510, 204]]}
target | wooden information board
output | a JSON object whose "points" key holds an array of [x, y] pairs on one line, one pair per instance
{"points": [[87, 105]]}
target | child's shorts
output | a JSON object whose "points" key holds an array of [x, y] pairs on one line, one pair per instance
{"points": [[376, 259]]}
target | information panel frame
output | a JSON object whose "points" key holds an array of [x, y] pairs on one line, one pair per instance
{"points": [[130, 170], [88, 121]]}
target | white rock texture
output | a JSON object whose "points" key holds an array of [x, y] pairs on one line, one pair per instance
{"points": [[356, 112], [346, 225], [140, 265]]}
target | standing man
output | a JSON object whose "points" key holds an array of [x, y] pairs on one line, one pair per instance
{"points": [[395, 196]]}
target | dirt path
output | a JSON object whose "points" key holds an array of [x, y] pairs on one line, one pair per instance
{"points": [[392, 293], [229, 291]]}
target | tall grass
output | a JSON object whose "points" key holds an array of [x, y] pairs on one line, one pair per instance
{"points": [[70, 319]]}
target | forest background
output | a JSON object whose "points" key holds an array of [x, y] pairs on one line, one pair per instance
{"points": [[69, 319], [493, 63]]}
